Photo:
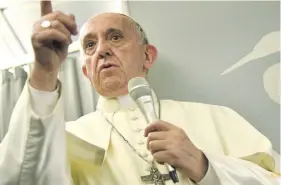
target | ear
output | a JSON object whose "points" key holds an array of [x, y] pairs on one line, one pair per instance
{"points": [[85, 71], [151, 54]]}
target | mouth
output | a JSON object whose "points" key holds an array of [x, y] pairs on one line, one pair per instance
{"points": [[107, 66]]}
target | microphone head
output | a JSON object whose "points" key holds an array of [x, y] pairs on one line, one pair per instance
{"points": [[138, 87]]}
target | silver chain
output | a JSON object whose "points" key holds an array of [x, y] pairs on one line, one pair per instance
{"points": [[131, 146]]}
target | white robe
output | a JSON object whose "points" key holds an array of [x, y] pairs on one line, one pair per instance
{"points": [[38, 151]]}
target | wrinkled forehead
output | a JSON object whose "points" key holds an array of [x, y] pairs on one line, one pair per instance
{"points": [[102, 22]]}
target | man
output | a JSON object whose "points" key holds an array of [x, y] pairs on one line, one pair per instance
{"points": [[207, 144]]}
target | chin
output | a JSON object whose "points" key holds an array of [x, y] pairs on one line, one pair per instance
{"points": [[112, 82], [112, 87]]}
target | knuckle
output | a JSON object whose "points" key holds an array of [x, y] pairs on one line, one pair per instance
{"points": [[173, 158], [51, 32], [149, 136], [54, 34], [34, 36], [174, 134], [68, 34], [150, 144], [72, 16], [173, 161], [58, 11], [57, 14], [181, 131], [55, 23], [73, 23]]}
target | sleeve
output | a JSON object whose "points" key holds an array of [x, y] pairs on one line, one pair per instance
{"points": [[42, 102], [34, 149], [248, 156]]}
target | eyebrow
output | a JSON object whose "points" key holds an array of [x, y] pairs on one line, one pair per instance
{"points": [[108, 31], [112, 30]]}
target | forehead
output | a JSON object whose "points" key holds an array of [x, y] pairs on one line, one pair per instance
{"points": [[103, 22]]}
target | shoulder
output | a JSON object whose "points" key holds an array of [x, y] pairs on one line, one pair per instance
{"points": [[196, 106], [221, 116], [213, 112]]}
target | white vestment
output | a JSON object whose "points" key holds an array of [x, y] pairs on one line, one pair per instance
{"points": [[38, 151]]}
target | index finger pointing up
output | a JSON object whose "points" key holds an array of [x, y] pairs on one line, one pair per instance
{"points": [[46, 7]]}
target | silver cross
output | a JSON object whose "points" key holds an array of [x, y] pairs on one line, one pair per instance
{"points": [[155, 177]]}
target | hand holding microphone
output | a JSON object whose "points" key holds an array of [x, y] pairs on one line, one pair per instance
{"points": [[168, 143], [140, 92]]}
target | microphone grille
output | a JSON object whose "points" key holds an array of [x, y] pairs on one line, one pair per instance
{"points": [[138, 87]]}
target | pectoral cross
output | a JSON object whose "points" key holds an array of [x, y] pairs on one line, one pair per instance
{"points": [[155, 177]]}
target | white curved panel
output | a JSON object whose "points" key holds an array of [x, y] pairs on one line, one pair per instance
{"points": [[267, 45], [271, 82]]}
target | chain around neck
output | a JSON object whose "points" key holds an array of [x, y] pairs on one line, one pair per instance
{"points": [[126, 140]]}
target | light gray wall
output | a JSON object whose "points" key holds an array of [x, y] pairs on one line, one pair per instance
{"points": [[197, 41]]}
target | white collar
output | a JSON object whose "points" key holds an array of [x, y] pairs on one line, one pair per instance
{"points": [[125, 102]]}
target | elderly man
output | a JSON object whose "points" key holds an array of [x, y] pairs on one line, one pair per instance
{"points": [[206, 144]]}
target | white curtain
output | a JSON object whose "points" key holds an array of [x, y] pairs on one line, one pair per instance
{"points": [[11, 86], [79, 96]]}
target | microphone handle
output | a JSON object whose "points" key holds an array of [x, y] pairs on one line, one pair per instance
{"points": [[145, 103]]}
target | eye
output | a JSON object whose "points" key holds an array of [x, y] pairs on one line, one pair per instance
{"points": [[115, 37], [89, 44]]}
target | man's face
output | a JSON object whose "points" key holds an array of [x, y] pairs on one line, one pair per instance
{"points": [[113, 53]]}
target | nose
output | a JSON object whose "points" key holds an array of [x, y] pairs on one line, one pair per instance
{"points": [[103, 50]]}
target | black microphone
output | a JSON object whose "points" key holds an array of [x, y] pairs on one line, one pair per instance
{"points": [[140, 92]]}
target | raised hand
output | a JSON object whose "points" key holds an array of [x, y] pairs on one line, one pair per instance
{"points": [[50, 40]]}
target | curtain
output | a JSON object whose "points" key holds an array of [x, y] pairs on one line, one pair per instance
{"points": [[79, 96], [11, 86]]}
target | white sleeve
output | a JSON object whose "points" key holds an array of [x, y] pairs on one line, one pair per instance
{"points": [[226, 170], [33, 151], [210, 177], [43, 102], [248, 156]]}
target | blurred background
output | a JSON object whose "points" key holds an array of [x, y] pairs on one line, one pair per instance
{"points": [[216, 52]]}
